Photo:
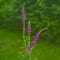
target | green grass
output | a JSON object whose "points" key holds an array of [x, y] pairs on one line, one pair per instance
{"points": [[10, 45], [44, 51]]}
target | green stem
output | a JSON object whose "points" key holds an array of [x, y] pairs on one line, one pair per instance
{"points": [[24, 38]]}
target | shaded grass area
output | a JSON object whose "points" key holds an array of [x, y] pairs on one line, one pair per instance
{"points": [[10, 45]]}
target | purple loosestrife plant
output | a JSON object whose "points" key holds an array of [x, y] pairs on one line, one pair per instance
{"points": [[23, 18], [30, 45], [29, 30], [23, 22]]}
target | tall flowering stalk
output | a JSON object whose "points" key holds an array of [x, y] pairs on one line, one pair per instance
{"points": [[28, 49], [36, 37], [29, 31], [30, 45], [23, 22]]}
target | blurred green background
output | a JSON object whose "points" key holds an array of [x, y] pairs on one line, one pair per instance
{"points": [[41, 13]]}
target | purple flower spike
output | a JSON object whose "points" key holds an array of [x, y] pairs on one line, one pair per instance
{"points": [[29, 28], [36, 37], [23, 18], [23, 11]]}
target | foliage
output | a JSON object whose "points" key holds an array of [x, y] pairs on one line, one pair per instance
{"points": [[41, 13]]}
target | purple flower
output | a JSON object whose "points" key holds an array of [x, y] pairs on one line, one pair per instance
{"points": [[29, 28]]}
